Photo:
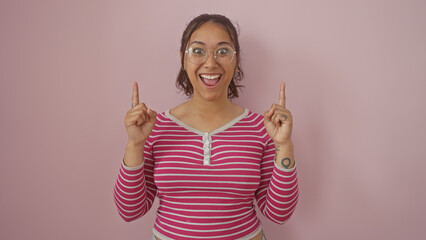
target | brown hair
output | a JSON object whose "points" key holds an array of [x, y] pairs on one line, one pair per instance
{"points": [[182, 81]]}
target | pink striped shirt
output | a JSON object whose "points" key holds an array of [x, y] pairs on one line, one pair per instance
{"points": [[207, 182]]}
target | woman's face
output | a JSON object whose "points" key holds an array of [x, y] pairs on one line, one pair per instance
{"points": [[210, 79]]}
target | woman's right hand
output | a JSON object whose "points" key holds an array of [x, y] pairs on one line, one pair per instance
{"points": [[139, 120]]}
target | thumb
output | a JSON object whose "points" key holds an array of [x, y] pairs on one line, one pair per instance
{"points": [[152, 115], [268, 114]]}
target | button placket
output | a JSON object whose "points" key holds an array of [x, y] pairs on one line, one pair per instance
{"points": [[207, 146]]}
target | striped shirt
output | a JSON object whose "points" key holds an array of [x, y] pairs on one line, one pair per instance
{"points": [[207, 182]]}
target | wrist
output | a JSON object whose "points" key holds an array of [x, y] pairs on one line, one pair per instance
{"points": [[133, 156], [286, 145], [134, 145], [284, 155]]}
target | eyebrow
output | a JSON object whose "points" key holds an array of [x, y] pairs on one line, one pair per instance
{"points": [[220, 43]]}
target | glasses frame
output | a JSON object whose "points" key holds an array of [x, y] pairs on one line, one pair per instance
{"points": [[208, 54]]}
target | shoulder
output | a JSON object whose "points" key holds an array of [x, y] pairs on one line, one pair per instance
{"points": [[163, 118], [164, 126], [252, 121], [252, 124], [252, 117]]}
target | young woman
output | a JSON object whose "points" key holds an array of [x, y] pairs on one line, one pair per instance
{"points": [[208, 159]]}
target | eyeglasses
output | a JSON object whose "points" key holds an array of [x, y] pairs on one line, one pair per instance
{"points": [[223, 55]]}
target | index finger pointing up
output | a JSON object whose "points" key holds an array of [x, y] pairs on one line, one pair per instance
{"points": [[135, 94], [282, 95]]}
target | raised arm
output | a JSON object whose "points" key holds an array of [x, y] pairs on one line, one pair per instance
{"points": [[139, 122], [134, 191], [277, 194], [279, 124]]}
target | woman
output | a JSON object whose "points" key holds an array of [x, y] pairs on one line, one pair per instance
{"points": [[207, 159]]}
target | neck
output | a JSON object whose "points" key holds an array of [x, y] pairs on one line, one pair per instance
{"points": [[209, 108]]}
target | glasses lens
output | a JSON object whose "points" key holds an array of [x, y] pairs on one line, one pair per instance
{"points": [[197, 55], [224, 55]]}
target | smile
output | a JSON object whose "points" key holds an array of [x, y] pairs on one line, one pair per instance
{"points": [[210, 80]]}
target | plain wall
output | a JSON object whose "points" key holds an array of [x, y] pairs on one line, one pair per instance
{"points": [[355, 74]]}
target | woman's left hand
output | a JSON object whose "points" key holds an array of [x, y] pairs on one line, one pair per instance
{"points": [[278, 121]]}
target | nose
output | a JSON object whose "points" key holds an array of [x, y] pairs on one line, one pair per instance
{"points": [[211, 60]]}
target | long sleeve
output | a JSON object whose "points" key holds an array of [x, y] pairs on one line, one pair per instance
{"points": [[134, 191], [278, 191]]}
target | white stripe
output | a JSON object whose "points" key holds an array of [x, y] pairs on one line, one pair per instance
{"points": [[210, 197], [282, 189], [202, 224], [205, 211], [206, 182], [279, 173], [138, 215], [138, 199], [282, 215], [217, 188], [129, 187], [126, 192], [233, 141], [236, 151], [181, 137], [190, 141], [247, 130], [286, 183], [206, 169], [204, 204], [158, 163], [198, 191], [203, 175], [180, 151], [177, 156], [238, 146], [279, 202], [241, 136], [233, 157], [130, 181], [130, 174], [205, 230]]}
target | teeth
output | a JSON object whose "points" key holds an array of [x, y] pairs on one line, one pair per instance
{"points": [[210, 76]]}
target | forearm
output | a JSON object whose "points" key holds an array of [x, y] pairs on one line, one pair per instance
{"points": [[284, 155], [133, 156], [278, 193], [135, 189], [130, 193]]}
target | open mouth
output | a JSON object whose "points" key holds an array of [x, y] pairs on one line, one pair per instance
{"points": [[210, 80]]}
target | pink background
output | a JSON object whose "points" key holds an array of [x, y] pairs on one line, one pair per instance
{"points": [[355, 73]]}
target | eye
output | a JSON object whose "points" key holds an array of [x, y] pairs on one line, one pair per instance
{"points": [[223, 51], [198, 51]]}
